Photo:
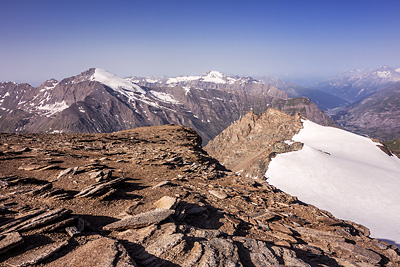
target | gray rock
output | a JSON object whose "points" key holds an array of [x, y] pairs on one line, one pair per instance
{"points": [[357, 251], [280, 228], [10, 241], [164, 243], [40, 189], [95, 174], [194, 256], [140, 220], [100, 189], [101, 175], [58, 225], [64, 172], [162, 184], [72, 231], [44, 219], [36, 255], [219, 194], [166, 202], [259, 254], [20, 219], [209, 257], [102, 252], [227, 252], [289, 257]]}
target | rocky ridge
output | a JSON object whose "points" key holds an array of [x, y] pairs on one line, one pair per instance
{"points": [[247, 146], [152, 197]]}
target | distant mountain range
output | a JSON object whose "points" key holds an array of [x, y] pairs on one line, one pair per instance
{"points": [[98, 101], [355, 85], [366, 102], [376, 115]]}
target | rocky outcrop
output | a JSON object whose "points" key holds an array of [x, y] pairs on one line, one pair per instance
{"points": [[175, 206], [247, 146], [305, 107]]}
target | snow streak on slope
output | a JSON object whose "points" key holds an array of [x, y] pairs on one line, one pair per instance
{"points": [[117, 84], [344, 173]]}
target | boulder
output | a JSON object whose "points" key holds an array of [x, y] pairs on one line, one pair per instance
{"points": [[140, 220]]}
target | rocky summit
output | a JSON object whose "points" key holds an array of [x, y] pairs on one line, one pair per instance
{"points": [[153, 197]]}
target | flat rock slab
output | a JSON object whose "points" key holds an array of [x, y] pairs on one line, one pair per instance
{"points": [[219, 194], [140, 220], [165, 202], [99, 189], [42, 219], [161, 184], [358, 252], [102, 252], [259, 254], [280, 228], [35, 256], [10, 241]]}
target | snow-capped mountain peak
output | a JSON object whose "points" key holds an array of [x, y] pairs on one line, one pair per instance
{"points": [[211, 76], [114, 82], [214, 76]]}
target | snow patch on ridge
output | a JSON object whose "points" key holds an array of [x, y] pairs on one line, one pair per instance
{"points": [[51, 109], [383, 74], [354, 180], [165, 97], [114, 82]]}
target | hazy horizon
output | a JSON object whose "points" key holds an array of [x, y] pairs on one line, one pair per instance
{"points": [[291, 40]]}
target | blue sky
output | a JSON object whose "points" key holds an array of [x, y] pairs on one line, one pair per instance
{"points": [[42, 39]]}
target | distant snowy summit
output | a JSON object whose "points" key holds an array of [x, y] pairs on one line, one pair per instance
{"points": [[213, 77], [114, 82], [357, 84]]}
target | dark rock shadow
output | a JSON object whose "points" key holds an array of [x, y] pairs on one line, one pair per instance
{"points": [[126, 190], [203, 217], [315, 260]]}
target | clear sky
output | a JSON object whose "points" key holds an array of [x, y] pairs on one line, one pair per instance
{"points": [[44, 39]]}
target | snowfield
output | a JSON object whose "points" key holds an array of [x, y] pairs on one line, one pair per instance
{"points": [[345, 174], [117, 84]]}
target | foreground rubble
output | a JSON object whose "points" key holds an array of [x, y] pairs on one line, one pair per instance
{"points": [[152, 197]]}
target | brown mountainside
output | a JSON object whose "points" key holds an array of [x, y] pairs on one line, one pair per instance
{"points": [[97, 101]]}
